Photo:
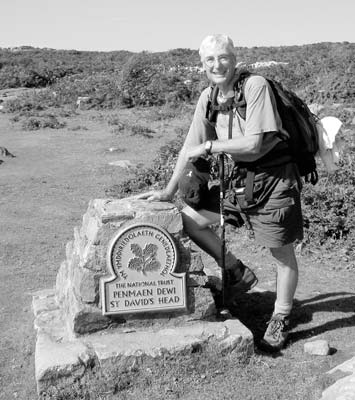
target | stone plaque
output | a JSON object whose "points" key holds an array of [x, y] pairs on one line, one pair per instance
{"points": [[142, 259]]}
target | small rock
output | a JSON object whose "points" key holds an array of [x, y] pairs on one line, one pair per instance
{"points": [[317, 347], [122, 163], [129, 330]]}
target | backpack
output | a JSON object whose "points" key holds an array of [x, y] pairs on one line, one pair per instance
{"points": [[297, 120]]}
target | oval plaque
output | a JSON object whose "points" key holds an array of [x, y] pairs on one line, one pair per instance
{"points": [[142, 259]]}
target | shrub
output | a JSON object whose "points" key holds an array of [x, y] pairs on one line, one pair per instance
{"points": [[33, 100], [114, 120], [116, 123], [102, 88], [141, 130], [157, 176], [140, 80], [329, 206], [78, 128], [45, 121]]}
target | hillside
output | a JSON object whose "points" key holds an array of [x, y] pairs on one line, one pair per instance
{"points": [[322, 72]]}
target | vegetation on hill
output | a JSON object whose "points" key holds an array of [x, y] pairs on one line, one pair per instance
{"points": [[319, 72]]}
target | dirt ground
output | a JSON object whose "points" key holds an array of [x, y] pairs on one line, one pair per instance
{"points": [[45, 191]]}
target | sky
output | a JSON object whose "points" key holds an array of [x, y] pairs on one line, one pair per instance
{"points": [[161, 25]]}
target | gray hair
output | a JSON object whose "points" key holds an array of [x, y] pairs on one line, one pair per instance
{"points": [[216, 39]]}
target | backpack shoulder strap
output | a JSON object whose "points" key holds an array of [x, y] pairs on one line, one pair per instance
{"points": [[212, 104], [239, 101]]}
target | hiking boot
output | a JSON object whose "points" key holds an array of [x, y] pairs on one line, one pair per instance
{"points": [[240, 284], [239, 279], [276, 333]]}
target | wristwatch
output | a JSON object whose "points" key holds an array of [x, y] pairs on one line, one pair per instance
{"points": [[208, 147]]}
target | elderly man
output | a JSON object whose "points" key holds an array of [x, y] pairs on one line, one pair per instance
{"points": [[274, 214]]}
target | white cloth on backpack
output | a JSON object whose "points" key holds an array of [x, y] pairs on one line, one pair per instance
{"points": [[328, 128]]}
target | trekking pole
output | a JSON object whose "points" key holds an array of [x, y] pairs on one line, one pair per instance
{"points": [[224, 312]]}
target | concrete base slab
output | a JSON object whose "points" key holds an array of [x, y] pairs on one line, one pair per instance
{"points": [[62, 360], [344, 388]]}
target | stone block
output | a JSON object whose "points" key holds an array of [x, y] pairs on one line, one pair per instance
{"points": [[96, 261], [169, 221], [201, 304], [343, 389], [86, 283], [89, 319], [347, 366], [317, 347], [197, 279], [196, 262], [184, 259], [62, 282], [90, 228], [79, 243], [83, 318], [61, 362], [210, 266], [69, 248], [44, 300]]}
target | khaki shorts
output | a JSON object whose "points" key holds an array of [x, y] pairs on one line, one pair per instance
{"points": [[277, 221]]}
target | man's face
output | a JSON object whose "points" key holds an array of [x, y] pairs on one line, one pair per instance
{"points": [[219, 64]]}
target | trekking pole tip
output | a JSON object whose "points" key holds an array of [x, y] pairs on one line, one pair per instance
{"points": [[225, 314]]}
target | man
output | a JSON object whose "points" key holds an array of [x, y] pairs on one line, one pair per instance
{"points": [[274, 214]]}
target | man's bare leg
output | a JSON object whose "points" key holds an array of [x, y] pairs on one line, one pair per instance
{"points": [[197, 226], [287, 278]]}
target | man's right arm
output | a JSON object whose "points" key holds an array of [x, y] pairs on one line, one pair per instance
{"points": [[200, 131]]}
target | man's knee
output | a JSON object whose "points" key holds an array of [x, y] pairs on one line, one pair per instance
{"points": [[201, 219], [285, 255]]}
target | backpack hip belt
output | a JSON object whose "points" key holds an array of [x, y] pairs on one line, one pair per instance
{"points": [[243, 173]]}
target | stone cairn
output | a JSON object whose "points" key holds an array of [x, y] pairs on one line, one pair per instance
{"points": [[75, 339], [77, 287]]}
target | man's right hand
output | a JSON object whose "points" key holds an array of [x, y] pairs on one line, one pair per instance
{"points": [[155, 195]]}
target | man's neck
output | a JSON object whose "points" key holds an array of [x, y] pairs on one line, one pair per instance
{"points": [[226, 91], [226, 88]]}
